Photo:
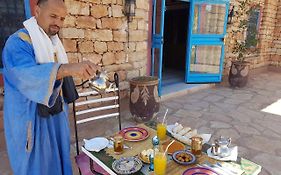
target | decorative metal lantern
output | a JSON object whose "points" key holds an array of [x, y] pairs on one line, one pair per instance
{"points": [[129, 8]]}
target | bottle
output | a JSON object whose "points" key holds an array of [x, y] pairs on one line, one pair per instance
{"points": [[155, 143]]}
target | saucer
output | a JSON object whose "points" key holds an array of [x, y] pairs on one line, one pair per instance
{"points": [[232, 157]]}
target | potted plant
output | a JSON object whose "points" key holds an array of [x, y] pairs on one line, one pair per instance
{"points": [[239, 70]]}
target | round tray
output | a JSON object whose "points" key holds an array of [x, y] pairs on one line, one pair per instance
{"points": [[127, 165], [134, 134]]}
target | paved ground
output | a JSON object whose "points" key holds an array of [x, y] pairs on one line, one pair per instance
{"points": [[220, 111]]}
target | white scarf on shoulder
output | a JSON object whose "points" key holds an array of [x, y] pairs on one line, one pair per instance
{"points": [[45, 47]]}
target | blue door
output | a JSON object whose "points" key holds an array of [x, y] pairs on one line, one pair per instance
{"points": [[157, 40], [205, 45]]}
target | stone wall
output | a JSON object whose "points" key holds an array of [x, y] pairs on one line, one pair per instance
{"points": [[97, 30], [268, 43], [276, 56]]}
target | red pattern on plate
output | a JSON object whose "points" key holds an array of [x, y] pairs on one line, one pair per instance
{"points": [[134, 134], [199, 170]]}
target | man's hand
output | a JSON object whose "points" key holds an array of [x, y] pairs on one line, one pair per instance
{"points": [[84, 70]]}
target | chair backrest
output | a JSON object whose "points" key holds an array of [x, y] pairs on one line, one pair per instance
{"points": [[93, 105]]}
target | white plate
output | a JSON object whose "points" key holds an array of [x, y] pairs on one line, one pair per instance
{"points": [[206, 137], [96, 144]]}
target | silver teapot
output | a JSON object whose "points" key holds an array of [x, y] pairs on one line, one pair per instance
{"points": [[99, 82], [221, 147]]}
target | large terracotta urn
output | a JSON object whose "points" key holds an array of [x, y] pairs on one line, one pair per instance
{"points": [[144, 98]]}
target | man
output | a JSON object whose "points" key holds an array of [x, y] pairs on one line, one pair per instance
{"points": [[35, 63]]}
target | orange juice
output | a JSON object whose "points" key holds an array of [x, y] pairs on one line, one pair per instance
{"points": [[161, 131], [160, 163]]}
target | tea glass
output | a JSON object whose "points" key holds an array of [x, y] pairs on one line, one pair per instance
{"points": [[196, 145], [118, 144], [160, 163], [161, 131]]}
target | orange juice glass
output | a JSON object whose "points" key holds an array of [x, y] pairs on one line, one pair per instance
{"points": [[161, 131], [160, 163]]}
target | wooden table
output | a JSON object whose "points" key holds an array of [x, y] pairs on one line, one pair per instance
{"points": [[105, 160]]}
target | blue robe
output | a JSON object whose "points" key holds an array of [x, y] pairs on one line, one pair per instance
{"points": [[36, 145]]}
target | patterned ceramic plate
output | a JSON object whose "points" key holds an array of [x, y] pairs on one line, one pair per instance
{"points": [[199, 170], [127, 165], [134, 134], [183, 157]]}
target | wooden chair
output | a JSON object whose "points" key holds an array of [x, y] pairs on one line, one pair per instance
{"points": [[92, 106]]}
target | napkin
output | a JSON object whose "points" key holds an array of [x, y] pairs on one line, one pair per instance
{"points": [[96, 144]]}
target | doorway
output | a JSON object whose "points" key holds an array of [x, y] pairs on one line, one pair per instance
{"points": [[188, 42], [175, 42]]}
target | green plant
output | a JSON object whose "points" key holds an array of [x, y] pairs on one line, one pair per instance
{"points": [[240, 49], [243, 45]]}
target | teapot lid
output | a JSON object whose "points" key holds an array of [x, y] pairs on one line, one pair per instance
{"points": [[222, 140]]}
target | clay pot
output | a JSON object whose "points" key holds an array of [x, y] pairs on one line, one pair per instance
{"points": [[144, 99], [238, 74]]}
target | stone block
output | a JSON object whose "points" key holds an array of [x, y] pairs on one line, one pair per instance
{"points": [[71, 33], [102, 35], [138, 35], [99, 11], [117, 11], [132, 74], [87, 22], [142, 25], [115, 46], [138, 65], [143, 14], [74, 57], [88, 34], [142, 4], [95, 58], [120, 35], [86, 46], [77, 7], [109, 12], [141, 46], [119, 2], [137, 56], [132, 46], [120, 57], [100, 47], [99, 24], [117, 67], [69, 21], [108, 1], [113, 23], [108, 58], [70, 45], [94, 1], [133, 24]]}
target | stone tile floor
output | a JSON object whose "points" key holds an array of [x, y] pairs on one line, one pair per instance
{"points": [[220, 111]]}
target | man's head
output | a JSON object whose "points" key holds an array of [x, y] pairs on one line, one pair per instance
{"points": [[50, 15]]}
